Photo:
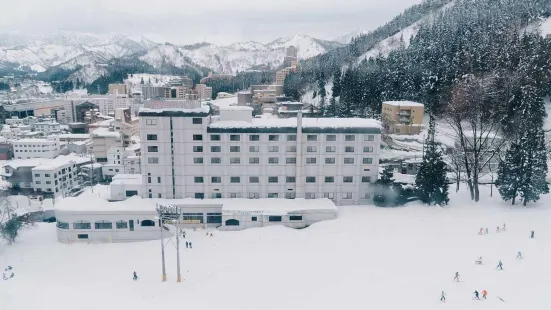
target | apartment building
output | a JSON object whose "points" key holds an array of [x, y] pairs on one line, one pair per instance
{"points": [[107, 104], [47, 126], [204, 92], [187, 153], [402, 117], [102, 140], [153, 92], [36, 148], [118, 89], [281, 75]]}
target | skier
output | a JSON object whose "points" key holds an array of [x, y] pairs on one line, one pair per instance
{"points": [[187, 244], [484, 293], [481, 231], [191, 247], [532, 234], [211, 235], [456, 278], [500, 265], [443, 297], [207, 233], [479, 261], [519, 255], [497, 230], [4, 276], [503, 229], [135, 276], [486, 230], [476, 295]]}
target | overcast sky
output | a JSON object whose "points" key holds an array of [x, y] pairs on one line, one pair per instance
{"points": [[215, 21]]}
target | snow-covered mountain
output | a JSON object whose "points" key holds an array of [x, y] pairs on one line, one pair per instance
{"points": [[88, 54], [347, 38]]}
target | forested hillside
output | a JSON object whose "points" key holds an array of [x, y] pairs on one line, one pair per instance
{"points": [[470, 37]]}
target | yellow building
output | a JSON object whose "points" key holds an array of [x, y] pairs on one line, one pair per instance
{"points": [[118, 89], [281, 75], [403, 117]]}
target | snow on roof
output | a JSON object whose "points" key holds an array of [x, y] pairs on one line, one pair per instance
{"points": [[105, 132], [306, 123], [404, 103], [202, 109], [89, 203], [61, 161], [133, 147], [289, 103], [82, 136], [130, 179], [31, 162], [236, 108]]}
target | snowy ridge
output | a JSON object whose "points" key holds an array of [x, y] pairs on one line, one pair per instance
{"points": [[346, 39]]}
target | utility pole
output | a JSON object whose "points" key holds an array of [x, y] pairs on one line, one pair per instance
{"points": [[162, 245], [178, 247]]}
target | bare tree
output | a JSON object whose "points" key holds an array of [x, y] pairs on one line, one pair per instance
{"points": [[472, 115], [11, 222], [455, 163]]}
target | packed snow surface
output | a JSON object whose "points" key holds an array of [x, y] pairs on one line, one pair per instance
{"points": [[369, 258]]}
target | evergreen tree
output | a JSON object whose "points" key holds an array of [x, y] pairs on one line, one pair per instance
{"points": [[535, 166], [141, 82], [509, 173], [387, 192], [431, 181], [322, 93], [336, 89], [332, 108]]}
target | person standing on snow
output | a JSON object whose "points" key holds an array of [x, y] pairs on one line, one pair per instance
{"points": [[486, 230], [484, 293], [500, 265], [503, 229], [532, 234], [443, 297], [456, 278], [519, 255], [190, 246], [135, 276], [187, 244], [476, 295], [497, 229], [479, 261], [481, 231]]}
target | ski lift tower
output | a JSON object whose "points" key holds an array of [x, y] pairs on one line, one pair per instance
{"points": [[171, 215]]}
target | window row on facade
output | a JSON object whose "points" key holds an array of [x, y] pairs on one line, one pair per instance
{"points": [[103, 224], [276, 179], [270, 149], [272, 160], [286, 195], [275, 137], [194, 121]]}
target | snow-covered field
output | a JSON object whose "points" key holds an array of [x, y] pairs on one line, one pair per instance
{"points": [[370, 258]]}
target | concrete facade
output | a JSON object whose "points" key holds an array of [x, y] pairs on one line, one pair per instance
{"points": [[402, 117], [36, 148]]}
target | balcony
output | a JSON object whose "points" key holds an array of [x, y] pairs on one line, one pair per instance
{"points": [[404, 113]]}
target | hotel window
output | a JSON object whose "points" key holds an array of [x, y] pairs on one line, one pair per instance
{"points": [[330, 149], [153, 149], [291, 160], [235, 179], [152, 160], [273, 160], [290, 179], [311, 149], [366, 179], [235, 160], [349, 149], [216, 179], [214, 137], [216, 160], [151, 122], [254, 195], [216, 149], [329, 179], [310, 179], [272, 179], [330, 160], [197, 121], [346, 195], [291, 137], [216, 195], [348, 179], [254, 160], [103, 225], [198, 160], [311, 160], [290, 195], [151, 138], [198, 180], [254, 149], [368, 149], [291, 149], [310, 196], [273, 149], [235, 195], [273, 195], [235, 138], [369, 138], [254, 137], [311, 138], [254, 180], [328, 195], [197, 149], [331, 138], [273, 138], [235, 149], [349, 138], [82, 225], [368, 160], [197, 137], [349, 161]]}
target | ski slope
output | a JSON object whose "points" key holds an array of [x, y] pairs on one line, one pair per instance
{"points": [[370, 258]]}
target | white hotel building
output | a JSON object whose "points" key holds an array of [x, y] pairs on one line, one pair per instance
{"points": [[187, 153], [36, 148]]}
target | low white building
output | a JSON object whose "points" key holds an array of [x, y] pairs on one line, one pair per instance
{"points": [[8, 133], [132, 165], [73, 137], [36, 148], [58, 176], [90, 218], [14, 121], [102, 140], [107, 104], [47, 127], [125, 186]]}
